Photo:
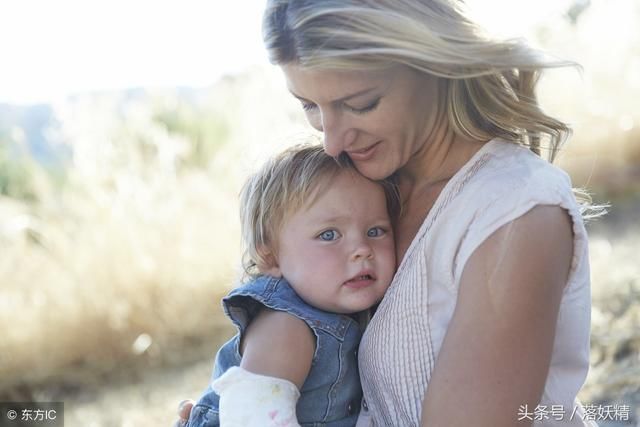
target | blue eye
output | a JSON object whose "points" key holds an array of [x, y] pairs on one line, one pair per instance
{"points": [[375, 232], [328, 235]]}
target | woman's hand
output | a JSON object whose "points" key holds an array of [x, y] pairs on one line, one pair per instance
{"points": [[184, 410]]}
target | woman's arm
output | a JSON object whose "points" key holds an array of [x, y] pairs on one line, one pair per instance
{"points": [[496, 354]]}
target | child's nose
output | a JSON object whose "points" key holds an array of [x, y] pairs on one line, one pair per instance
{"points": [[362, 251]]}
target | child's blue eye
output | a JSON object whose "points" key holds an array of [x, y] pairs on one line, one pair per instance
{"points": [[328, 235], [375, 232]]}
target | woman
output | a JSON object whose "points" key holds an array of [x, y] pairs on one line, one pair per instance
{"points": [[487, 320]]}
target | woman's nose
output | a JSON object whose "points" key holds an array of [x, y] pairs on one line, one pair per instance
{"points": [[338, 135]]}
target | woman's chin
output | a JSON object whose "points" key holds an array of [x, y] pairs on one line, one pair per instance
{"points": [[373, 170]]}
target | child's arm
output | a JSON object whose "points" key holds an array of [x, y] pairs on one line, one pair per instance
{"points": [[278, 344], [279, 348]]}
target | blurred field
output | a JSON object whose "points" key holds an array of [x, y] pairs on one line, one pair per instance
{"points": [[121, 256], [113, 261]]}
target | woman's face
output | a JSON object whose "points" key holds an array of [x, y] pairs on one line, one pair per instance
{"points": [[380, 118]]}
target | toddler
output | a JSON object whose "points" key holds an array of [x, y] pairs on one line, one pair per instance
{"points": [[319, 250]]}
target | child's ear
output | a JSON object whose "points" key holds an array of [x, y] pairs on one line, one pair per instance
{"points": [[270, 265]]}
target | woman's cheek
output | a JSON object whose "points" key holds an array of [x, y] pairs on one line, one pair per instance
{"points": [[313, 118]]}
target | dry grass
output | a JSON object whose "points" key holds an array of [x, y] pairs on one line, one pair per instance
{"points": [[615, 341], [125, 263], [111, 269]]}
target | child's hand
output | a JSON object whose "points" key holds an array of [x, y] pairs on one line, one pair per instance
{"points": [[184, 410]]}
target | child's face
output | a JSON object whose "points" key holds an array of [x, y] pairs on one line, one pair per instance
{"points": [[338, 253]]}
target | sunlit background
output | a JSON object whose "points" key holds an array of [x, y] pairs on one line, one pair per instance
{"points": [[126, 129]]}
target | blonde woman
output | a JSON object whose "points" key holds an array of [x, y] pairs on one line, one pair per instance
{"points": [[486, 322]]}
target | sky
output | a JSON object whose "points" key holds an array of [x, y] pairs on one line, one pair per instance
{"points": [[50, 49]]}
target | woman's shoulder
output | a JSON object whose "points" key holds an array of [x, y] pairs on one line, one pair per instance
{"points": [[510, 166], [504, 176], [504, 182]]}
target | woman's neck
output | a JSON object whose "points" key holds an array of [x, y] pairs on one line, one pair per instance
{"points": [[438, 160], [422, 180]]}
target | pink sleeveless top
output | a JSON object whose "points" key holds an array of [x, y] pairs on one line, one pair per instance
{"points": [[397, 354]]}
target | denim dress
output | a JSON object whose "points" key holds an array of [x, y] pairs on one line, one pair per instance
{"points": [[331, 394]]}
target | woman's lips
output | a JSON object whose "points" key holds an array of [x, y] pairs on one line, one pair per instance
{"points": [[363, 154]]}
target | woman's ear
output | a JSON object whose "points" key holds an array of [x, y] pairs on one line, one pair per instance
{"points": [[269, 266]]}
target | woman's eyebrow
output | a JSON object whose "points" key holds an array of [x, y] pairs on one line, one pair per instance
{"points": [[344, 98]]}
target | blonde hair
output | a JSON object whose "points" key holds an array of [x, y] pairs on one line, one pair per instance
{"points": [[283, 185], [488, 85]]}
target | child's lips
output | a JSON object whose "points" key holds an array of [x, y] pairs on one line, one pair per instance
{"points": [[361, 280]]}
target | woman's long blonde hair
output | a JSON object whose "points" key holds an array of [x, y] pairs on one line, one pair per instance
{"points": [[489, 84]]}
